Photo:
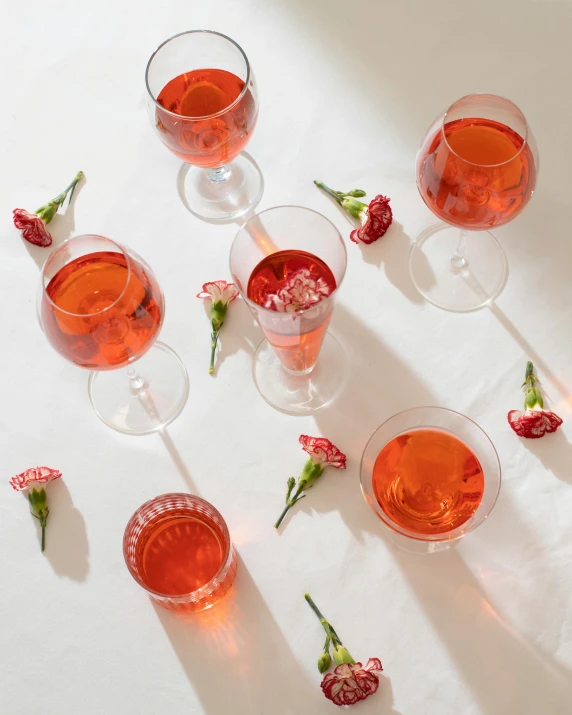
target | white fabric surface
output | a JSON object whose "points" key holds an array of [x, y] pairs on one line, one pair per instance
{"points": [[347, 91]]}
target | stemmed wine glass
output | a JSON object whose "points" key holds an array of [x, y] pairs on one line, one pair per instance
{"points": [[202, 102], [100, 307], [476, 170], [300, 367]]}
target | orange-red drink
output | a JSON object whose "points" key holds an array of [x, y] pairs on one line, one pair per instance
{"points": [[204, 132], [476, 173], [428, 481], [104, 311], [178, 548]]}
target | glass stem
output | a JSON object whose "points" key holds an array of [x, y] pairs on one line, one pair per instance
{"points": [[221, 173], [458, 260], [136, 382]]}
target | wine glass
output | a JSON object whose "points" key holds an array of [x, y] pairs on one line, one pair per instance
{"points": [[300, 367], [431, 475], [476, 170], [178, 549], [202, 102], [100, 307]]}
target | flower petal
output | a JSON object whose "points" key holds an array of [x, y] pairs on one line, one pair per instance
{"points": [[32, 227], [322, 451], [533, 424], [219, 290], [300, 291], [379, 218], [34, 476]]}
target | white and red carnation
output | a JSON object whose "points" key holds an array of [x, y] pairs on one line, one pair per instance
{"points": [[350, 683], [322, 451], [533, 424], [300, 291], [219, 291], [377, 218], [34, 477]]}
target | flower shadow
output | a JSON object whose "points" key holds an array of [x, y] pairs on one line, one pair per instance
{"points": [[392, 251], [555, 453], [61, 228], [67, 547], [242, 333], [233, 652]]}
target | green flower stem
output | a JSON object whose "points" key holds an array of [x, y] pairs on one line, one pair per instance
{"points": [[334, 194], [60, 198], [289, 504], [39, 509], [533, 395], [49, 210], [214, 342]]}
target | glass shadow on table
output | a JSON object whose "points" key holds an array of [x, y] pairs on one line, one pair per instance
{"points": [[492, 656], [237, 650]]}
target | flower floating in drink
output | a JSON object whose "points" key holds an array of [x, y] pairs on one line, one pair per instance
{"points": [[220, 294], [102, 309], [535, 421], [34, 482], [350, 682], [202, 102], [288, 263], [476, 170], [322, 454], [431, 475], [376, 217], [33, 226], [178, 549]]}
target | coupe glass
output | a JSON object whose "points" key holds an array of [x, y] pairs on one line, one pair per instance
{"points": [[432, 491], [202, 102], [299, 367], [178, 549], [476, 170], [101, 308]]}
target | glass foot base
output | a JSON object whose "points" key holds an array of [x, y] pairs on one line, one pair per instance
{"points": [[458, 290], [165, 390], [300, 394], [226, 193]]}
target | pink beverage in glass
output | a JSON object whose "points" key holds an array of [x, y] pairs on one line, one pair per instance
{"points": [[177, 547], [296, 342]]}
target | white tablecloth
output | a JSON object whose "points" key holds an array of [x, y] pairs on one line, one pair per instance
{"points": [[347, 91]]}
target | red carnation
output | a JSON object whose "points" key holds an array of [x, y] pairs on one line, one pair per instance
{"points": [[376, 218], [33, 226], [535, 421]]}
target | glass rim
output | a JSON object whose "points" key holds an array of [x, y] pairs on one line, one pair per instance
{"points": [[257, 306], [205, 588], [204, 116], [493, 96], [445, 536], [65, 243]]}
